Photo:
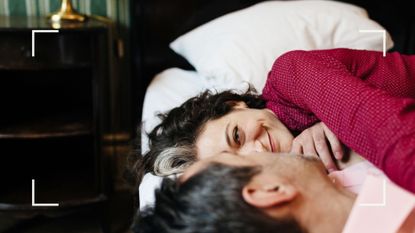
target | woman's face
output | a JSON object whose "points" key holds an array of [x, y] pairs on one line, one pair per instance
{"points": [[242, 131]]}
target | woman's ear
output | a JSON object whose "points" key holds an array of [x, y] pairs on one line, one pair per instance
{"points": [[239, 105], [269, 110], [265, 196]]}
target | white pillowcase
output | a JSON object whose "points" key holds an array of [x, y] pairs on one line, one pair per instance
{"points": [[167, 90], [242, 46]]}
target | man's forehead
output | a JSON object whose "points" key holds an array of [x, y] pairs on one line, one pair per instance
{"points": [[223, 158], [193, 169]]}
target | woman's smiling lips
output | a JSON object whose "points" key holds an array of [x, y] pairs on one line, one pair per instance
{"points": [[271, 144]]}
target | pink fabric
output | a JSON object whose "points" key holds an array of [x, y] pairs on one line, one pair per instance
{"points": [[366, 99], [353, 177], [379, 211]]}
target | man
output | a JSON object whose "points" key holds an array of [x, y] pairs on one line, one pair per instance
{"points": [[274, 193]]}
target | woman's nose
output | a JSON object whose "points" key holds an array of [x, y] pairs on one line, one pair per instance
{"points": [[253, 130], [255, 146]]}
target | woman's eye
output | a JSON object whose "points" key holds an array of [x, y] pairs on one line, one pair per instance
{"points": [[236, 137]]}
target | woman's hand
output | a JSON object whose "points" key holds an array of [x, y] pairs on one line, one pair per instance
{"points": [[313, 142]]}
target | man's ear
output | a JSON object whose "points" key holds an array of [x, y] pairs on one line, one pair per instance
{"points": [[264, 196]]}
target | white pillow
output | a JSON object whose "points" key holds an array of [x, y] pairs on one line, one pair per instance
{"points": [[167, 90], [242, 46]]}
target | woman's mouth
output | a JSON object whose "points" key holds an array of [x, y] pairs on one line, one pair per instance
{"points": [[271, 144]]}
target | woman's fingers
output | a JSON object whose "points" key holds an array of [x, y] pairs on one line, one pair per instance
{"points": [[296, 148], [320, 143], [335, 144], [303, 144], [314, 142], [308, 146]]}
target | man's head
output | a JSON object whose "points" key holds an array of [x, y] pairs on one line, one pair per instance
{"points": [[229, 193], [212, 123]]}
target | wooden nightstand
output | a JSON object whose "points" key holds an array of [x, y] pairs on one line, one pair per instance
{"points": [[55, 117]]}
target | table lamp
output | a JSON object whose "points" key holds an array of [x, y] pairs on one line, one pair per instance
{"points": [[67, 13]]}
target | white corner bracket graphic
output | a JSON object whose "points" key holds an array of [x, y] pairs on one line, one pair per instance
{"points": [[39, 204], [383, 35], [381, 204], [39, 31]]}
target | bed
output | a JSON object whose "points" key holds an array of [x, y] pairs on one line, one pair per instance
{"points": [[227, 44]]}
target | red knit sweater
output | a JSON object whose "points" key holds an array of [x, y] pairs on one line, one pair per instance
{"points": [[366, 99]]}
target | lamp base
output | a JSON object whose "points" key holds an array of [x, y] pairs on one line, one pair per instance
{"points": [[67, 13], [64, 16]]}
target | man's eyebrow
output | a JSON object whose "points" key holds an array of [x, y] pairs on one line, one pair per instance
{"points": [[227, 135]]}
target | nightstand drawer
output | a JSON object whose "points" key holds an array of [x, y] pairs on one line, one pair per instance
{"points": [[52, 50]]}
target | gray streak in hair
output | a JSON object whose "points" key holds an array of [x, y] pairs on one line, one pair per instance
{"points": [[174, 160]]}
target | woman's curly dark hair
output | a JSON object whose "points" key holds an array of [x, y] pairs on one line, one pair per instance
{"points": [[171, 142]]}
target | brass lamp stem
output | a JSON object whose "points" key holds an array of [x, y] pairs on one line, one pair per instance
{"points": [[67, 13], [66, 6]]}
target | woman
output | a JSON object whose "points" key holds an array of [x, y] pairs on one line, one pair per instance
{"points": [[362, 97]]}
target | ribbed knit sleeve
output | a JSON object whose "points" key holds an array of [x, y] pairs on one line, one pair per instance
{"points": [[367, 100]]}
